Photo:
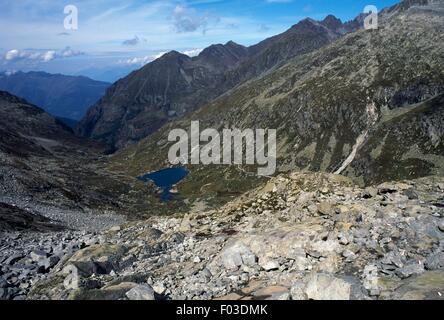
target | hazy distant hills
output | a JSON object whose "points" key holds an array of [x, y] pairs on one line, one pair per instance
{"points": [[60, 95], [109, 74], [175, 84]]}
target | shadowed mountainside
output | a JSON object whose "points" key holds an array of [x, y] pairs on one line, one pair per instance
{"points": [[175, 84], [369, 106], [45, 169], [60, 95]]}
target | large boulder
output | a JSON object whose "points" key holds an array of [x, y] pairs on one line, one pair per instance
{"points": [[236, 256], [141, 292], [323, 286], [111, 292], [98, 259]]}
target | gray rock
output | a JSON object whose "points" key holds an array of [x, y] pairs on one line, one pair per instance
{"points": [[13, 259], [393, 258], [297, 291], [4, 294], [441, 225], [325, 208], [237, 255], [370, 192], [327, 287], [409, 270], [348, 254], [73, 278], [8, 293], [37, 255], [322, 286], [159, 288], [325, 248], [343, 239], [115, 229], [269, 265], [141, 292], [283, 296], [3, 283], [371, 279], [206, 273], [361, 233], [435, 261], [301, 263], [49, 262], [273, 293]]}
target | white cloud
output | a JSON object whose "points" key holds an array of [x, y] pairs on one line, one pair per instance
{"points": [[43, 56], [188, 20], [68, 52], [192, 52], [138, 60], [142, 60], [104, 26], [12, 54], [10, 72], [48, 56], [132, 42]]}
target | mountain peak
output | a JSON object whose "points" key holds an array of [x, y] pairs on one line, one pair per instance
{"points": [[168, 57], [220, 67], [224, 51], [307, 20], [332, 22], [231, 44], [172, 54]]}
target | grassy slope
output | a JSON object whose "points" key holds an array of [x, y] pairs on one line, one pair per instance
{"points": [[319, 104]]}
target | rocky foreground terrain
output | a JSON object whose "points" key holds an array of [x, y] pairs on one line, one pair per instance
{"points": [[299, 236]]}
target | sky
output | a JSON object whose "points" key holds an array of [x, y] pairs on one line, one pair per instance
{"points": [[113, 37]]}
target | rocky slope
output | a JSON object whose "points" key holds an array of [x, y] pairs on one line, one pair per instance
{"points": [[16, 219], [47, 171], [60, 95], [299, 236], [53, 184], [175, 84], [369, 106]]}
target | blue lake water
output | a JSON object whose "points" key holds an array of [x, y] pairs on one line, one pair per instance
{"points": [[165, 179]]}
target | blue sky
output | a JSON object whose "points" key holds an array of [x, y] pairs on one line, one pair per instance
{"points": [[125, 34]]}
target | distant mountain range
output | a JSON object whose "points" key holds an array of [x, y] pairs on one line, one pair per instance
{"points": [[60, 95], [176, 84], [363, 103], [108, 74], [368, 105]]}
